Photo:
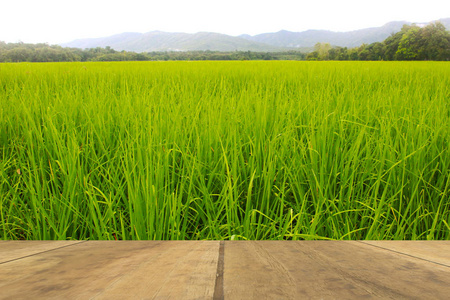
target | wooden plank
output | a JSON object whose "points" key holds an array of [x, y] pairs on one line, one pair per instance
{"points": [[247, 270], [115, 270], [435, 251], [328, 270], [11, 250]]}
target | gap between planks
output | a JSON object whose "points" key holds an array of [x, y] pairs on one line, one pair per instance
{"points": [[405, 254], [45, 251]]}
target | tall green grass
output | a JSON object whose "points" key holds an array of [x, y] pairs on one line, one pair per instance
{"points": [[225, 150]]}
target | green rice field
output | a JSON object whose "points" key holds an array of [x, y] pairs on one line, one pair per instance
{"points": [[225, 150]]}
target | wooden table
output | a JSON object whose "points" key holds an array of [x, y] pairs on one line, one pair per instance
{"points": [[230, 270]]}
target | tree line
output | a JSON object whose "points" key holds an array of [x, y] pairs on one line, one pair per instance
{"points": [[22, 52], [412, 42]]}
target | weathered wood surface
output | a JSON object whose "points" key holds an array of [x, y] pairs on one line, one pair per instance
{"points": [[230, 270], [15, 250], [435, 251], [329, 270], [114, 270]]}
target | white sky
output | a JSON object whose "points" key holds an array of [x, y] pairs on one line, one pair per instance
{"points": [[58, 21]]}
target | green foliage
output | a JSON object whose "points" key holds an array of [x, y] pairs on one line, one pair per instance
{"points": [[410, 46], [436, 42], [21, 52], [215, 150], [431, 42]]}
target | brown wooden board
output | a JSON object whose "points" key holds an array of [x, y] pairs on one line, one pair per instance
{"points": [[114, 270], [229, 270], [435, 251], [328, 270], [11, 250]]}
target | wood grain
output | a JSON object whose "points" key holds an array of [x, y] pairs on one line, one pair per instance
{"points": [[224, 270], [328, 270], [115, 270], [11, 250], [434, 251]]}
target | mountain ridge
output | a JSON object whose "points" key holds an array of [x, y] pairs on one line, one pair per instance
{"points": [[265, 42]]}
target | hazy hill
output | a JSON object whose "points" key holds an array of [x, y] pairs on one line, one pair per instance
{"points": [[309, 38], [446, 23], [277, 41], [167, 41]]}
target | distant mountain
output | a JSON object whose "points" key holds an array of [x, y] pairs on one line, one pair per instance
{"points": [[309, 38], [445, 22], [167, 41], [277, 41], [354, 38]]}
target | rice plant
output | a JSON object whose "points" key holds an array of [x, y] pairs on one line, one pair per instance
{"points": [[225, 150]]}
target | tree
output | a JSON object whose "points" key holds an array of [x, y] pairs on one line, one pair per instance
{"points": [[363, 52], [333, 53], [19, 54], [392, 42], [410, 45], [322, 50], [435, 42], [312, 56], [375, 51], [353, 54]]}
